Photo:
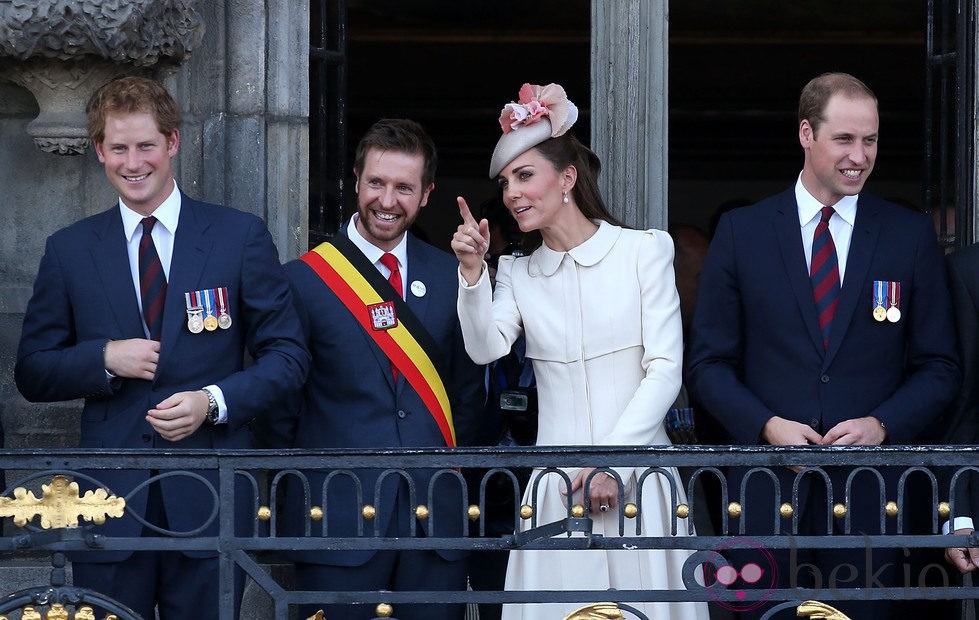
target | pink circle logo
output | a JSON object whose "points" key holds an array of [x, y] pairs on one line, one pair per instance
{"points": [[757, 571]]}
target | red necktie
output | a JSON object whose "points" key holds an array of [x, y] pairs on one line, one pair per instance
{"points": [[825, 273], [391, 262], [152, 280]]}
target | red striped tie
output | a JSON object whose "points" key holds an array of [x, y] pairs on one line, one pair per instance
{"points": [[825, 274], [391, 262], [152, 280]]}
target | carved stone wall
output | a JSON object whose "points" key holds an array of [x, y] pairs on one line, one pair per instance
{"points": [[63, 50]]}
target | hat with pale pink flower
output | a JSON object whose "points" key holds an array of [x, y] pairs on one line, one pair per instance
{"points": [[541, 113]]}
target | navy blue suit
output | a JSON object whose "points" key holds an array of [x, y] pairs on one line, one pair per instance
{"points": [[352, 401], [84, 296], [756, 349]]}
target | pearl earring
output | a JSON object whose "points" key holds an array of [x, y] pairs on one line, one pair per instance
{"points": [[565, 200]]}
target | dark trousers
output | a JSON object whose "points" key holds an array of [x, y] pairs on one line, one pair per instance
{"points": [[177, 586], [398, 571]]}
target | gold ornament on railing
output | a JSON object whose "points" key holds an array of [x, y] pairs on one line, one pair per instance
{"points": [[59, 612], [317, 616], [383, 610], [891, 509], [815, 609], [596, 611], [60, 505]]}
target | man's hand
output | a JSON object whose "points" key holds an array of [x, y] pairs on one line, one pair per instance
{"points": [[135, 358], [866, 431], [781, 432], [180, 415], [470, 243], [603, 490], [966, 559]]}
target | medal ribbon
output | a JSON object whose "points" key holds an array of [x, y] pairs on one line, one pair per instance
{"points": [[408, 345], [880, 299], [894, 294]]}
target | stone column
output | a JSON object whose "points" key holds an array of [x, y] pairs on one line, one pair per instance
{"points": [[245, 95], [629, 107]]}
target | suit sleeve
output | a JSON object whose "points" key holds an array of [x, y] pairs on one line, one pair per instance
{"points": [[273, 335], [51, 365], [717, 343], [932, 365], [961, 420], [468, 390]]}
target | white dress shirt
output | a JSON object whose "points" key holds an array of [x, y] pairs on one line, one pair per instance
{"points": [[840, 225], [374, 253]]}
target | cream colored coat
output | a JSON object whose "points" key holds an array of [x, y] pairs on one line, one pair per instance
{"points": [[602, 325]]}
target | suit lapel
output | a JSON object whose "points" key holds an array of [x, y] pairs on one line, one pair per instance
{"points": [[794, 260], [417, 272], [866, 230], [191, 248], [112, 261]]}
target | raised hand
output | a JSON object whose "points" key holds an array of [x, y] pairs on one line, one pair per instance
{"points": [[135, 358], [470, 243]]}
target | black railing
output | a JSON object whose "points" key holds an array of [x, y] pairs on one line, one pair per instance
{"points": [[938, 470]]}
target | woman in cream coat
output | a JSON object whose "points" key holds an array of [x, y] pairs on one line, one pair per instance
{"points": [[600, 311]]}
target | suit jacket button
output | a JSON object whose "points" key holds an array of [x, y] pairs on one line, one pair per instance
{"points": [[814, 423], [402, 414], [824, 378], [147, 437]]}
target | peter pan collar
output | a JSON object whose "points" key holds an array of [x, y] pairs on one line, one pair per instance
{"points": [[545, 261]]}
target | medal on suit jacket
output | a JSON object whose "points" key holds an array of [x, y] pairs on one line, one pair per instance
{"points": [[195, 312], [408, 344], [224, 318], [210, 321], [880, 298], [894, 298]]}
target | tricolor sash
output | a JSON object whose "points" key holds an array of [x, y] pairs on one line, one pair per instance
{"points": [[359, 285]]}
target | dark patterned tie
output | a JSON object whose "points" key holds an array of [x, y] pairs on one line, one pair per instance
{"points": [[391, 262], [152, 280], [824, 271]]}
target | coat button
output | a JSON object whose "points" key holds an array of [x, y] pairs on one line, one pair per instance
{"points": [[814, 422], [402, 414], [147, 437], [824, 378]]}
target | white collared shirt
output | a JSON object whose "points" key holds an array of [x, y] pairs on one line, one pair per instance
{"points": [[374, 253], [840, 225]]}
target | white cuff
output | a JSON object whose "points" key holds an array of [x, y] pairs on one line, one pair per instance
{"points": [[222, 406], [960, 523]]}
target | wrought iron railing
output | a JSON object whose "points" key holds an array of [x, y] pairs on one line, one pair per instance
{"points": [[59, 504]]}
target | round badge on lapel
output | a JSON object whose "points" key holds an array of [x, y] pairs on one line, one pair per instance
{"points": [[418, 288]]}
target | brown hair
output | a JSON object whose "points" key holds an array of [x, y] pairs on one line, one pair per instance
{"points": [[817, 93], [128, 95], [564, 151], [400, 135]]}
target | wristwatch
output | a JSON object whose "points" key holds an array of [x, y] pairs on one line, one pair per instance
{"points": [[212, 407]]}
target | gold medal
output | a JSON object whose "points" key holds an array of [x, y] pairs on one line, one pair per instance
{"points": [[880, 313], [210, 323]]}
